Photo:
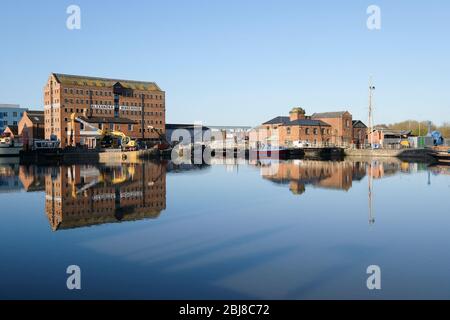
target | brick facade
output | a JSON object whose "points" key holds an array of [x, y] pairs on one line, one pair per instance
{"points": [[342, 127], [359, 133], [104, 99], [130, 192], [31, 127], [297, 128]]}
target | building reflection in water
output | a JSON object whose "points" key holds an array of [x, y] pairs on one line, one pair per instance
{"points": [[81, 195], [324, 174], [9, 180], [338, 175], [32, 178], [87, 195]]}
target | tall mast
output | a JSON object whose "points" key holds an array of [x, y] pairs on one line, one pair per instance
{"points": [[371, 167], [371, 90]]}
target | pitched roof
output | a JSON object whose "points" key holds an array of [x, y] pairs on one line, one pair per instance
{"points": [[278, 120], [14, 129], [307, 122], [336, 114], [69, 79], [393, 132], [358, 124], [286, 121], [36, 117]]}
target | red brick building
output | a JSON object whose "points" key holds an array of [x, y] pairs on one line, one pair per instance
{"points": [[136, 108], [31, 127], [341, 123], [297, 129], [359, 133]]}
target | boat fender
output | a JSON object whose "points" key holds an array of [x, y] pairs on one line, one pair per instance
{"points": [[124, 157]]}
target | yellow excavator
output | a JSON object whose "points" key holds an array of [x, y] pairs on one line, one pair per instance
{"points": [[126, 143], [106, 137], [114, 178]]}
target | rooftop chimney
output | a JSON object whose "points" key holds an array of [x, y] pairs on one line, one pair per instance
{"points": [[297, 113]]}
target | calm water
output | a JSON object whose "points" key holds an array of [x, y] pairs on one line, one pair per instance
{"points": [[272, 230]]}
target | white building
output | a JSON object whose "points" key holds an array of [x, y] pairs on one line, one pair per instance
{"points": [[10, 114]]}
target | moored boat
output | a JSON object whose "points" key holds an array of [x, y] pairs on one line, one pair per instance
{"points": [[8, 147], [270, 152], [10, 151], [442, 155]]}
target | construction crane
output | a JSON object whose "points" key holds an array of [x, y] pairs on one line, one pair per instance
{"points": [[165, 143], [73, 118]]}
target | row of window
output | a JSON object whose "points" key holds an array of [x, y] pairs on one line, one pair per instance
{"points": [[110, 93], [101, 192], [108, 209], [47, 93], [117, 127], [128, 113], [308, 131], [109, 112], [14, 114], [109, 103], [112, 126], [6, 123]]}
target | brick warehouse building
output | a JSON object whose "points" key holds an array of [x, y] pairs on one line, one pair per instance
{"points": [[342, 126], [296, 128], [136, 108]]}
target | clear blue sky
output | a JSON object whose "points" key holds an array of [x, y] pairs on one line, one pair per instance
{"points": [[239, 62]]}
